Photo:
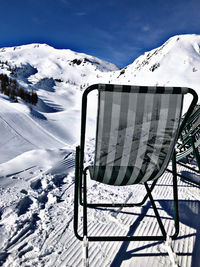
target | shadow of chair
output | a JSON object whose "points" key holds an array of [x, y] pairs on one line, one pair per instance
{"points": [[187, 209]]}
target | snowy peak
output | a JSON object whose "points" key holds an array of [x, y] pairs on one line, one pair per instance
{"points": [[38, 51], [176, 62], [182, 48], [30, 64], [42, 54], [57, 77]]}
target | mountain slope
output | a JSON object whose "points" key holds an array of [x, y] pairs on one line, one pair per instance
{"points": [[176, 62], [36, 62], [59, 77], [20, 133]]}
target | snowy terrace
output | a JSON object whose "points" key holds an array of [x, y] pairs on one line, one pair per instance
{"points": [[36, 215]]}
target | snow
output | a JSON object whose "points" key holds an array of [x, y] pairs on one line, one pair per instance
{"points": [[175, 63], [37, 162]]}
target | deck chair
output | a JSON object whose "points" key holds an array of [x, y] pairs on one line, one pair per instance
{"points": [[189, 141], [190, 125], [137, 129], [188, 148]]}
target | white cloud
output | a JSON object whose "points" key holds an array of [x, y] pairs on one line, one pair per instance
{"points": [[145, 28], [80, 13], [65, 2]]}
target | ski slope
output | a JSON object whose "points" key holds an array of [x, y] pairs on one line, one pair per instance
{"points": [[21, 132]]}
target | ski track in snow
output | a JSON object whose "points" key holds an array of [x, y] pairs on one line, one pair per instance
{"points": [[18, 133], [33, 122]]}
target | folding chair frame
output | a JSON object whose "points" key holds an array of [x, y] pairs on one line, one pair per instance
{"points": [[194, 153], [190, 140], [80, 189]]}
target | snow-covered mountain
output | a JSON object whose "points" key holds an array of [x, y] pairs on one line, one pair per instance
{"points": [[31, 63], [58, 76], [176, 62]]}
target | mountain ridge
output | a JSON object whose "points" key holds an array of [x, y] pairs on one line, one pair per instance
{"points": [[174, 63], [60, 76]]}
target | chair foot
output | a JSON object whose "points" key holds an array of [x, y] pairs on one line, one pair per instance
{"points": [[85, 260], [173, 257]]}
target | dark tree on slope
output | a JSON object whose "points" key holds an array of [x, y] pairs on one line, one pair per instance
{"points": [[14, 84], [11, 88], [13, 93], [34, 97], [4, 82], [7, 91], [20, 93]]}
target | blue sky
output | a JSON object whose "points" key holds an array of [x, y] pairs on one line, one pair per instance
{"points": [[114, 30]]}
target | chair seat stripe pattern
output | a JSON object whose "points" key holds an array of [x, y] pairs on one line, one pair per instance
{"points": [[136, 131]]}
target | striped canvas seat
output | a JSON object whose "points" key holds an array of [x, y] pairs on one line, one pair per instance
{"points": [[136, 132]]}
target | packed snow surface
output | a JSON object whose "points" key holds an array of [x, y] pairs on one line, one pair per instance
{"points": [[37, 161]]}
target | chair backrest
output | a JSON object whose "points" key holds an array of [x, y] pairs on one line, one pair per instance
{"points": [[137, 128]]}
